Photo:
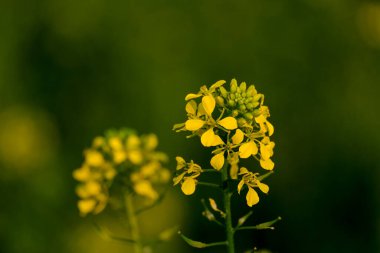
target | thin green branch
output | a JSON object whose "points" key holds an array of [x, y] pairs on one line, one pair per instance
{"points": [[227, 206], [209, 185]]}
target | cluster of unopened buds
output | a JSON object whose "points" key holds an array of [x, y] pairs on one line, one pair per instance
{"points": [[120, 155], [234, 123]]}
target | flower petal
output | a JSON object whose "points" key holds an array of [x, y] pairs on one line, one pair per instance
{"points": [[247, 149], [267, 164], [210, 139], [86, 205], [194, 124], [260, 119], [192, 96], [208, 103], [188, 186], [240, 185], [229, 123], [270, 128], [178, 178], [181, 163], [238, 137], [252, 197], [263, 187], [217, 161], [191, 107], [217, 85]]}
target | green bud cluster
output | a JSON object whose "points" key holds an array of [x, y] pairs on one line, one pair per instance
{"points": [[243, 102]]}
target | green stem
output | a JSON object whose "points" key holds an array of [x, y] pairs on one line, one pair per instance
{"points": [[133, 224], [227, 206]]}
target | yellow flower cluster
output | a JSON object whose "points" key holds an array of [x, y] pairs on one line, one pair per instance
{"points": [[234, 122], [120, 154]]}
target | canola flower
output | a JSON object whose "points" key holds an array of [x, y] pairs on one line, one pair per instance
{"points": [[234, 123], [120, 156]]}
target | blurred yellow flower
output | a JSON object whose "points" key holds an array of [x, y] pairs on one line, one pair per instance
{"points": [[120, 153]]}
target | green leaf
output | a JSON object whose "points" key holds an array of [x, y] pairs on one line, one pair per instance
{"points": [[268, 224], [262, 177], [200, 245], [244, 218]]}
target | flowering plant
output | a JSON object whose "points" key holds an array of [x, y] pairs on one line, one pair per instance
{"points": [[234, 124]]}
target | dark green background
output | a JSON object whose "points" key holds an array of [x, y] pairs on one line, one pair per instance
{"points": [[71, 69]]}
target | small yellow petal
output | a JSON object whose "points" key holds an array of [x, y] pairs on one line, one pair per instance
{"points": [[133, 141], [243, 170], [191, 107], [267, 164], [207, 138], [217, 85], [135, 156], [115, 143], [188, 186], [144, 188], [94, 158], [238, 137], [194, 124], [208, 103], [266, 150], [213, 204], [263, 187], [252, 197], [82, 174], [192, 96], [270, 128], [234, 171], [119, 156], [260, 119], [86, 205], [178, 178], [181, 163], [248, 149], [229, 123], [217, 161], [240, 185]]}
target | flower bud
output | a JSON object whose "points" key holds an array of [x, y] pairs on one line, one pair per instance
{"points": [[233, 85], [250, 106], [255, 104], [251, 91], [248, 116], [223, 92], [220, 100], [257, 97], [231, 103], [235, 113], [241, 121], [243, 86], [242, 108], [256, 112]]}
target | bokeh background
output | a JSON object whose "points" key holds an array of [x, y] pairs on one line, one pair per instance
{"points": [[69, 70]]}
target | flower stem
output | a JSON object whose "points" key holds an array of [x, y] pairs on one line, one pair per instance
{"points": [[133, 224], [227, 206]]}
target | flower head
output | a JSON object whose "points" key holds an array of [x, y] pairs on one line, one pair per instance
{"points": [[124, 155], [233, 121]]}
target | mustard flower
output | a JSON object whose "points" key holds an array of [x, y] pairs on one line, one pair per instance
{"points": [[188, 174], [251, 180], [121, 154]]}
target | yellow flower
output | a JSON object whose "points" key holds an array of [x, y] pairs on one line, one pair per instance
{"points": [[251, 181], [188, 174]]}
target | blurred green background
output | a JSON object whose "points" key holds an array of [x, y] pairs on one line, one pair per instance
{"points": [[71, 69]]}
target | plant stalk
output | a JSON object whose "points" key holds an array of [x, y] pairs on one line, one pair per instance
{"points": [[227, 206], [133, 223]]}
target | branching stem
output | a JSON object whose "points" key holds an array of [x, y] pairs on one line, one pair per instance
{"points": [[227, 206], [133, 223]]}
